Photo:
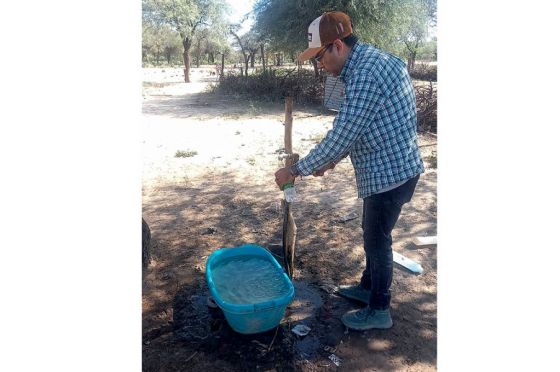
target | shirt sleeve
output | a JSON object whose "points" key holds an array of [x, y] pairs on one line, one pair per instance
{"points": [[363, 100]]}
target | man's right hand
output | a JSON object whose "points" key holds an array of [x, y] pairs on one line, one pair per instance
{"points": [[283, 176], [321, 171]]}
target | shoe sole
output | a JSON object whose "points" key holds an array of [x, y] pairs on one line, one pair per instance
{"points": [[355, 298], [366, 328]]}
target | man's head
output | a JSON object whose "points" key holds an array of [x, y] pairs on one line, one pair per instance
{"points": [[328, 37]]}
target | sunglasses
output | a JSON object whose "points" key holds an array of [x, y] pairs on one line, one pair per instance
{"points": [[322, 52]]}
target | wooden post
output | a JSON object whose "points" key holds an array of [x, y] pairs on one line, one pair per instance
{"points": [[223, 60], [289, 228], [288, 127], [146, 239]]}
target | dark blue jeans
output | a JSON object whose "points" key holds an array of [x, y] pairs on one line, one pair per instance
{"points": [[381, 212]]}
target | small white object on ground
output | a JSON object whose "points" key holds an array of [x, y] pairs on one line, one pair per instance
{"points": [[301, 330], [413, 266], [425, 240], [336, 360]]}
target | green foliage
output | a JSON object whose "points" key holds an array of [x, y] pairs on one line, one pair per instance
{"points": [[208, 45], [186, 17], [160, 44], [284, 23], [416, 17], [273, 86], [428, 51], [385, 23]]}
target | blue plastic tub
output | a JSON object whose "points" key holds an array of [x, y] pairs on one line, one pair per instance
{"points": [[248, 318]]}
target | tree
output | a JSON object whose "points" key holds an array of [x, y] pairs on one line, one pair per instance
{"points": [[171, 45], [249, 44], [417, 16], [208, 42], [185, 17], [285, 22], [158, 41]]}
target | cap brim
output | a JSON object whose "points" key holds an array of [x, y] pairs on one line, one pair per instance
{"points": [[309, 53]]}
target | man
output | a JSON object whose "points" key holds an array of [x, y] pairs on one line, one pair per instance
{"points": [[376, 126]]}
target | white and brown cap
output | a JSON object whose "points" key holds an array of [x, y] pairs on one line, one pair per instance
{"points": [[324, 30]]}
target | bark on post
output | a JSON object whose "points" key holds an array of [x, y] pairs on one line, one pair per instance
{"points": [[146, 239], [288, 125]]}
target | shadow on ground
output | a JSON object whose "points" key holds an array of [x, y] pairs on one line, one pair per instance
{"points": [[207, 104], [180, 332]]}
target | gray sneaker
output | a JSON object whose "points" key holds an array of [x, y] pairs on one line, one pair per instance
{"points": [[354, 292], [367, 318]]}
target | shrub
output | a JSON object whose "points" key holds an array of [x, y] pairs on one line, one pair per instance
{"points": [[432, 160], [426, 107], [185, 154], [423, 71], [273, 86]]}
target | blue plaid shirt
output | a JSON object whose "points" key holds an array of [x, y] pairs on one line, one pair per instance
{"points": [[376, 123]]}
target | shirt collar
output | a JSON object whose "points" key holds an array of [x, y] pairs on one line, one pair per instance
{"points": [[350, 63]]}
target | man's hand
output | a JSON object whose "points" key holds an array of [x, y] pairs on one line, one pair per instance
{"points": [[321, 171], [283, 176]]}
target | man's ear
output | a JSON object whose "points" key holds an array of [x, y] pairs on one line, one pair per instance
{"points": [[339, 44]]}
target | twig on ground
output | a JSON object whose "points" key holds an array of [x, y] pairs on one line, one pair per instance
{"points": [[273, 338], [429, 144], [192, 356]]}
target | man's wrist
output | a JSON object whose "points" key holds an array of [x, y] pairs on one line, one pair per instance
{"points": [[293, 170]]}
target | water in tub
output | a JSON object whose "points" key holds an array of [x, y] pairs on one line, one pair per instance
{"points": [[248, 280]]}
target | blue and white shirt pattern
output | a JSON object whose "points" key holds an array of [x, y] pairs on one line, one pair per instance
{"points": [[376, 123]]}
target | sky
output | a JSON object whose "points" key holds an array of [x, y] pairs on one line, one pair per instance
{"points": [[239, 9]]}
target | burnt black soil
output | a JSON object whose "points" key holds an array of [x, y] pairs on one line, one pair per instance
{"points": [[203, 330]]}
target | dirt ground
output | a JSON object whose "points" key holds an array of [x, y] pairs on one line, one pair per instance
{"points": [[221, 193]]}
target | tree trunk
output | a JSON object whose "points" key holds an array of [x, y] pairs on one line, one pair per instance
{"points": [[223, 60], [247, 65], [263, 60], [315, 67], [411, 61], [412, 50], [187, 58], [168, 56], [253, 59]]}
